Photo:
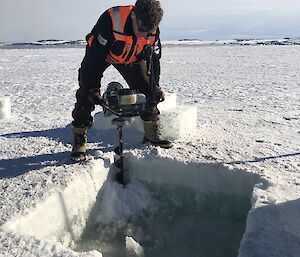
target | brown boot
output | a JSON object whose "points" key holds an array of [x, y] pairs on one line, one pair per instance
{"points": [[153, 136], [79, 144]]}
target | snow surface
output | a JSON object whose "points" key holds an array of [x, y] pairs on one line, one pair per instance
{"points": [[248, 106]]}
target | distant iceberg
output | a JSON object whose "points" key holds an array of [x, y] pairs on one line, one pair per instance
{"points": [[242, 42]]}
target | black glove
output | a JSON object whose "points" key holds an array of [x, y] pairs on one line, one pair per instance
{"points": [[95, 96], [159, 94]]}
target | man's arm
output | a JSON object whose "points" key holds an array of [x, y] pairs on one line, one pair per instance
{"points": [[156, 58], [94, 64]]}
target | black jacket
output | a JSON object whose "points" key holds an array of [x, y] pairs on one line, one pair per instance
{"points": [[94, 64]]}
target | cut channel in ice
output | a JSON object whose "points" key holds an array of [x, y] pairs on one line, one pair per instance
{"points": [[170, 208]]}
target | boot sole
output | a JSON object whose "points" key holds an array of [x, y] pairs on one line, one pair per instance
{"points": [[79, 157], [166, 146]]}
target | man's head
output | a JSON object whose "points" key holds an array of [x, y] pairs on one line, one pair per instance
{"points": [[148, 14]]}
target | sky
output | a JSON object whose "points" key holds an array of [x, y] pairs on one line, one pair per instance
{"points": [[30, 20]]}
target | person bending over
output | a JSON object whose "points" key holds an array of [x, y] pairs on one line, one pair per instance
{"points": [[126, 37]]}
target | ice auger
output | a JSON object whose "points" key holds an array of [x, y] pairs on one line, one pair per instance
{"points": [[125, 103]]}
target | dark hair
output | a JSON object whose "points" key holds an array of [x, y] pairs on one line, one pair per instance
{"points": [[149, 12]]}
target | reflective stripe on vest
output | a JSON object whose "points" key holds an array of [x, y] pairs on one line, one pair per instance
{"points": [[117, 20], [119, 16]]}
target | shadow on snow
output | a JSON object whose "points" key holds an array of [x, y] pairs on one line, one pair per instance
{"points": [[265, 158], [105, 141], [15, 167]]}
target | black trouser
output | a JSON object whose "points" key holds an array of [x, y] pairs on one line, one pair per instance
{"points": [[136, 77]]}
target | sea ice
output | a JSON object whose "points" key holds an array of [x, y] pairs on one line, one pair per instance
{"points": [[134, 246], [5, 107], [176, 121]]}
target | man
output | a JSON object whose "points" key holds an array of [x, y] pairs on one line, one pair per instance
{"points": [[126, 37]]}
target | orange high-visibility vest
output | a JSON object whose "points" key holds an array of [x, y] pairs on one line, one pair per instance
{"points": [[119, 15]]}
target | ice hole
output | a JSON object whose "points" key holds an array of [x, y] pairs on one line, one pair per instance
{"points": [[170, 208]]}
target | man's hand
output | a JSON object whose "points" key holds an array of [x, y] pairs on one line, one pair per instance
{"points": [[95, 96], [159, 94]]}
